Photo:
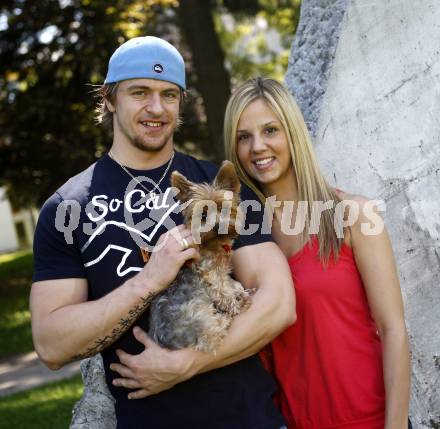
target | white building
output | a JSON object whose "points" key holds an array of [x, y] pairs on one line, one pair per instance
{"points": [[16, 226]]}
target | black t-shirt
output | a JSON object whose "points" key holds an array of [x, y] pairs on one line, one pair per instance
{"points": [[92, 228]]}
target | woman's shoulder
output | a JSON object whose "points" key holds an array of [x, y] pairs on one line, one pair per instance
{"points": [[362, 215], [360, 202], [347, 196]]}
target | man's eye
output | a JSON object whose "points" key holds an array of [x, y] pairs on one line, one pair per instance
{"points": [[171, 95], [138, 93]]}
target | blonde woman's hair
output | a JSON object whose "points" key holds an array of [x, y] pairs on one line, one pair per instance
{"points": [[311, 184]]}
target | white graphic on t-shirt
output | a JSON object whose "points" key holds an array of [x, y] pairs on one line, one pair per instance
{"points": [[119, 271], [126, 252], [101, 205]]}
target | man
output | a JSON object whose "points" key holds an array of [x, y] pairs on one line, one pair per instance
{"points": [[91, 285]]}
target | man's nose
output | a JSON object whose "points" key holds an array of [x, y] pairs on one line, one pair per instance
{"points": [[154, 104]]}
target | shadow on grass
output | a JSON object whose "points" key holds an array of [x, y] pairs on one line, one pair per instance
{"points": [[41, 408], [15, 284], [18, 337], [15, 265]]}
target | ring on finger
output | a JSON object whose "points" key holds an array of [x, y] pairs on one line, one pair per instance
{"points": [[185, 243]]}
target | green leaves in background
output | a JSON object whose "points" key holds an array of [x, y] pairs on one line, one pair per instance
{"points": [[52, 50]]}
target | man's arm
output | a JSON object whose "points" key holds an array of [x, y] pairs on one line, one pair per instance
{"points": [[264, 267], [261, 266], [66, 327]]}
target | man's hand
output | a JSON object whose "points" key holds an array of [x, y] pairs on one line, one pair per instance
{"points": [[155, 369], [172, 250]]}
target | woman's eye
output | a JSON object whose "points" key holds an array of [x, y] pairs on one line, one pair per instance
{"points": [[242, 137], [271, 130]]}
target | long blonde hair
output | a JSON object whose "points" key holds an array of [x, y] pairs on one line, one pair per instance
{"points": [[311, 184]]}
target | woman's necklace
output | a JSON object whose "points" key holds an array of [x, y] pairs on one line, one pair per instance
{"points": [[151, 192]]}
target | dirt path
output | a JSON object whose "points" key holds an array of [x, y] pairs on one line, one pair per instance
{"points": [[26, 371]]}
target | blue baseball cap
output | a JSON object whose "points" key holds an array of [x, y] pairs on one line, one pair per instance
{"points": [[146, 57]]}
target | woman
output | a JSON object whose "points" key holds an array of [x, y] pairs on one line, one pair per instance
{"points": [[345, 363]]}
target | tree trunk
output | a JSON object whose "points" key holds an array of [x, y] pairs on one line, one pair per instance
{"points": [[213, 81]]}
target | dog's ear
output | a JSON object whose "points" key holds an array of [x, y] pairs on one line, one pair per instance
{"points": [[180, 182], [227, 177]]}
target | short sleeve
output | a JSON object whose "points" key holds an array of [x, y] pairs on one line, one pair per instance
{"points": [[254, 230], [56, 256]]}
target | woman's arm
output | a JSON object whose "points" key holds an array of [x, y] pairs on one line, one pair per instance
{"points": [[375, 261]]}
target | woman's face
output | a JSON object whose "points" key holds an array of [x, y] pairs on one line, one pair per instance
{"points": [[262, 146]]}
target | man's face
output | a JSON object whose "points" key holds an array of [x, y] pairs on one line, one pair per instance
{"points": [[145, 113]]}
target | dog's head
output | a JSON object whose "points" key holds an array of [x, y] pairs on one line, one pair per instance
{"points": [[212, 210]]}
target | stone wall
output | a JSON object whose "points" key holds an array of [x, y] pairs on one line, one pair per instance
{"points": [[367, 76]]}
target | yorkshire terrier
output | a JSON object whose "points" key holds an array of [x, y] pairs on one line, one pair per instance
{"points": [[197, 309]]}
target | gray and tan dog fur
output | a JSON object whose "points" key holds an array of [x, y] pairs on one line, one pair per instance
{"points": [[197, 309]]}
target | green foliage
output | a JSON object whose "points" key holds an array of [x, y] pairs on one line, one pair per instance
{"points": [[43, 407], [282, 15], [46, 110], [50, 51], [15, 281], [258, 44]]}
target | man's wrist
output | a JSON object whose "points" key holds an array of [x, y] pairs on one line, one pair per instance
{"points": [[142, 287], [199, 362]]}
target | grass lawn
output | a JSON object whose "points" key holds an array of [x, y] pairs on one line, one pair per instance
{"points": [[48, 407], [44, 407], [15, 282]]}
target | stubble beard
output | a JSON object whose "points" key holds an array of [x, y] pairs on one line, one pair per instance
{"points": [[144, 145]]}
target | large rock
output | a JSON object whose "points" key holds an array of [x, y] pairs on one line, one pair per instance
{"points": [[375, 112], [312, 54], [95, 409]]}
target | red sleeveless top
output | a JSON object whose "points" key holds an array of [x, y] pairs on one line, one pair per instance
{"points": [[329, 363]]}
